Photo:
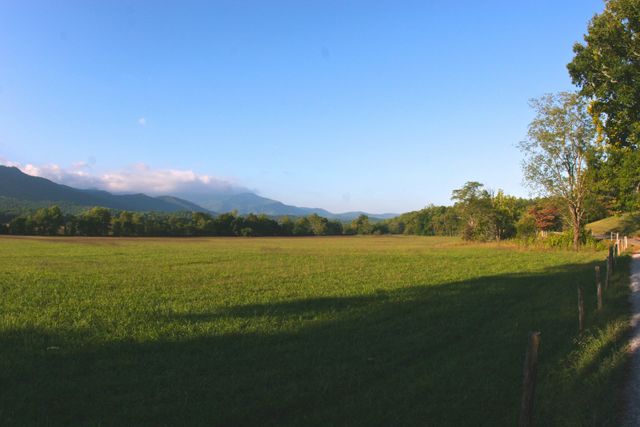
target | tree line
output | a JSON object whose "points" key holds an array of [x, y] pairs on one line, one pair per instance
{"points": [[99, 221], [480, 214], [477, 214]]}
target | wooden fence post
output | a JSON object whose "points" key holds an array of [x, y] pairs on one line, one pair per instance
{"points": [[529, 381], [612, 254], [580, 309], [599, 287], [608, 274]]}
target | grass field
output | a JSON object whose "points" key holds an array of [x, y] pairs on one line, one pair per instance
{"points": [[300, 331], [626, 224]]}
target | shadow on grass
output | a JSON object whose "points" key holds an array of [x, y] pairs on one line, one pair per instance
{"points": [[424, 355], [629, 225]]}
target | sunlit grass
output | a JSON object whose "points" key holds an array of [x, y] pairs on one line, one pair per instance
{"points": [[313, 331], [626, 224]]}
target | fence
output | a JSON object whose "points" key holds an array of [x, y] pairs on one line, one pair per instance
{"points": [[531, 357]]}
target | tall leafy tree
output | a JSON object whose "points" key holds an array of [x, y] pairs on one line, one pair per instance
{"points": [[122, 224], [559, 140], [302, 227], [319, 225], [361, 225], [95, 222], [475, 206], [286, 226], [606, 68], [20, 225], [48, 220], [506, 212]]}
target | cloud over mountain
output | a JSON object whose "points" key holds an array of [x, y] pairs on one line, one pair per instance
{"points": [[138, 178]]}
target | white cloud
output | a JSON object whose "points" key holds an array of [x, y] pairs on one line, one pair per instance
{"points": [[6, 162], [77, 175], [138, 178], [142, 121], [141, 177]]}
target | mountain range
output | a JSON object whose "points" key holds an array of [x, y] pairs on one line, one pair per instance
{"points": [[20, 189], [246, 203]]}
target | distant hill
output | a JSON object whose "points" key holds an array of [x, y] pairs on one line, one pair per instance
{"points": [[34, 191], [22, 192], [246, 203], [626, 224]]}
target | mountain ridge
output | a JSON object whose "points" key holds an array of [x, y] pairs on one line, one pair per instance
{"points": [[247, 202], [17, 185]]}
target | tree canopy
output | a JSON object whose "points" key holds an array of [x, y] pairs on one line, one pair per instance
{"points": [[559, 139], [606, 68]]}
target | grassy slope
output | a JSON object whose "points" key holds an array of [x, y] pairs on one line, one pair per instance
{"points": [[626, 224], [317, 331]]}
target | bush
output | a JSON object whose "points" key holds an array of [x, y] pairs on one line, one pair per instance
{"points": [[564, 240], [247, 232], [526, 227]]}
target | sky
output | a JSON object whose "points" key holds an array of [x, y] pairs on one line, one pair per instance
{"points": [[380, 106]]}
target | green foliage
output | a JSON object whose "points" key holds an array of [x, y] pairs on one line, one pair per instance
{"points": [[526, 227], [20, 225], [564, 240], [606, 67], [559, 140], [47, 221], [379, 228], [361, 225], [95, 222], [319, 226], [560, 240], [430, 221], [504, 211], [103, 222], [286, 226], [486, 216], [302, 227], [615, 174], [389, 330], [477, 215], [12, 207], [247, 232], [125, 224]]}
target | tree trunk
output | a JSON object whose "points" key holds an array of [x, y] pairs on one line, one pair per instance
{"points": [[576, 230]]}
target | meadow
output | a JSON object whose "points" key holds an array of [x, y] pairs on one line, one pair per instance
{"points": [[626, 225], [392, 330]]}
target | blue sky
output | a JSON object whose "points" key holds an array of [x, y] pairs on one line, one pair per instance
{"points": [[344, 105]]}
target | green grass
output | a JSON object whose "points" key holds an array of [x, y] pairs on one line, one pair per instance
{"points": [[301, 331], [626, 224]]}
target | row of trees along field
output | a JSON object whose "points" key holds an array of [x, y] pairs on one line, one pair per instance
{"points": [[483, 215], [104, 222], [477, 214]]}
